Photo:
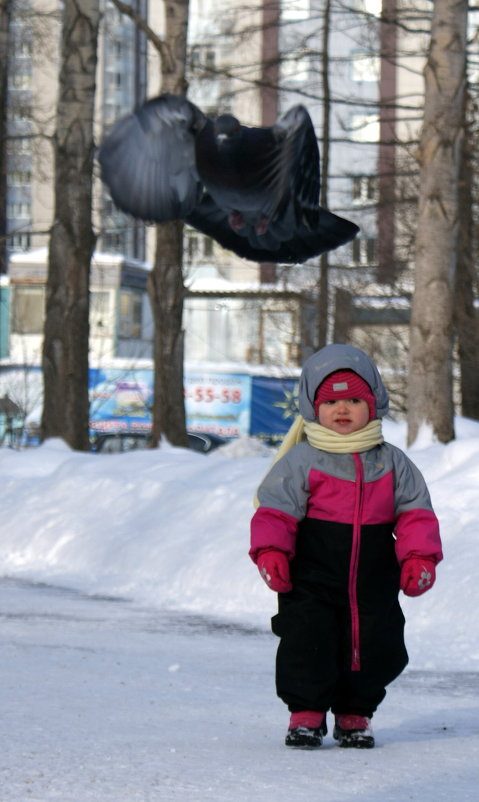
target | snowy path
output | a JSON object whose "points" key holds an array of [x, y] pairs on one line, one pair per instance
{"points": [[102, 700]]}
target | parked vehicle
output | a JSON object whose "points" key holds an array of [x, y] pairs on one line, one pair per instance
{"points": [[116, 443], [204, 442]]}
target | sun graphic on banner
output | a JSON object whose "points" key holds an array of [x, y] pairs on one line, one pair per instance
{"points": [[289, 405]]}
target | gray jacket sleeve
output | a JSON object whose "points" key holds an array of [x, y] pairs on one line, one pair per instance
{"points": [[286, 486]]}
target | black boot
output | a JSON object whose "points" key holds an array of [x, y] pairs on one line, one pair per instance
{"points": [[303, 737], [353, 731]]}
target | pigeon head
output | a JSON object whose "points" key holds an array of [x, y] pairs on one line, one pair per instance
{"points": [[227, 130]]}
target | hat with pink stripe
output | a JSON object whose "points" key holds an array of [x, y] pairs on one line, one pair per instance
{"points": [[345, 384]]}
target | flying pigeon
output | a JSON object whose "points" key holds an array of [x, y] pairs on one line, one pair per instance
{"points": [[253, 190]]}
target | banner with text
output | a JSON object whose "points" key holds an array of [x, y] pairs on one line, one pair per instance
{"points": [[218, 402]]}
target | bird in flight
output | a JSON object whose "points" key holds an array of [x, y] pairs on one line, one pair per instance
{"points": [[253, 190]]}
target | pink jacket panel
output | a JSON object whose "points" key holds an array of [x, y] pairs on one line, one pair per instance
{"points": [[332, 499]]}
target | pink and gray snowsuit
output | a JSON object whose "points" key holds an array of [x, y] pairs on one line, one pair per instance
{"points": [[346, 522]]}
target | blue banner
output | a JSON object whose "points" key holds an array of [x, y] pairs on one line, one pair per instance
{"points": [[274, 405], [229, 404], [120, 400]]}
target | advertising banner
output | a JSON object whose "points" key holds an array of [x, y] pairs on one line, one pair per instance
{"points": [[120, 400], [218, 402], [214, 402], [274, 406]]}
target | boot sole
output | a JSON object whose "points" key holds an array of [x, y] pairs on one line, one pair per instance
{"points": [[354, 744]]}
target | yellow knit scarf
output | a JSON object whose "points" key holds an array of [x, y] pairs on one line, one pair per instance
{"points": [[325, 439]]}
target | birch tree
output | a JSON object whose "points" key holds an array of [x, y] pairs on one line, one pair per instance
{"points": [[72, 241], [431, 337], [466, 320], [5, 14], [165, 286]]}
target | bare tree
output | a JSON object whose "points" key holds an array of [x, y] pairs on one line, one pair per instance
{"points": [[165, 286], [466, 321], [431, 345], [323, 284], [66, 335], [5, 14]]}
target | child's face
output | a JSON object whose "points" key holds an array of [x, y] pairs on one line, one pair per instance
{"points": [[345, 415]]}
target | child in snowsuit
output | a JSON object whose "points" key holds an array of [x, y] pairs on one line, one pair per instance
{"points": [[344, 521]]}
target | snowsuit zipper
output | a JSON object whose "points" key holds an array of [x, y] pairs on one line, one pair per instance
{"points": [[353, 565]]}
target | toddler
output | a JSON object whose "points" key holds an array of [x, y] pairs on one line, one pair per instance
{"points": [[344, 522]]}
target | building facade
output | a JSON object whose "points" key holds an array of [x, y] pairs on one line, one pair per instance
{"points": [[121, 325], [254, 60]]}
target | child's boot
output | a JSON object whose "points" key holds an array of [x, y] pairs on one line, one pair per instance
{"points": [[353, 731], [306, 729]]}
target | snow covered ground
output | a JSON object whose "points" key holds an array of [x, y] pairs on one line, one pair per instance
{"points": [[137, 662]]}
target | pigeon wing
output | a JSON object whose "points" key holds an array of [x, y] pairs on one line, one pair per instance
{"points": [[148, 159], [298, 165]]}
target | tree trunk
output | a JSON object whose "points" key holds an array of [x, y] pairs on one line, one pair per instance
{"points": [[5, 11], [269, 95], [431, 338], [386, 272], [65, 348], [467, 325], [166, 289], [166, 294], [323, 285]]}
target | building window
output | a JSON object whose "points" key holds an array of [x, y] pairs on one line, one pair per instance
{"points": [[197, 246], [373, 7], [19, 178], [19, 242], [100, 313], [28, 309], [191, 246], [210, 60], [208, 247], [131, 302], [19, 209], [22, 113], [364, 251], [195, 57], [364, 188], [294, 10], [295, 67], [20, 146], [108, 206], [364, 66], [202, 59], [114, 242], [23, 47], [20, 81], [364, 128]]}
